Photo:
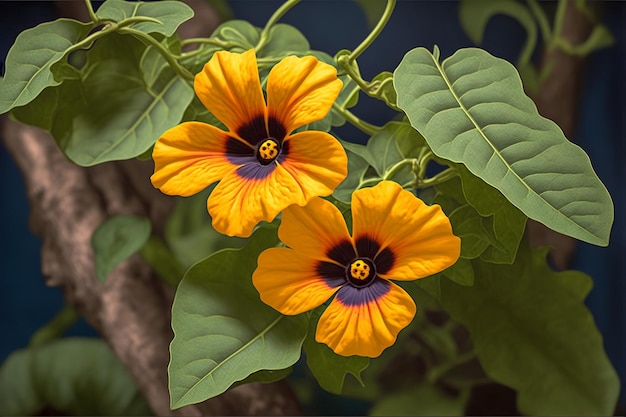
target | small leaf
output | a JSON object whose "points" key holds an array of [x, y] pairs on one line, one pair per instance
{"points": [[387, 91], [532, 332], [30, 59], [223, 332], [471, 109], [116, 239], [330, 369], [170, 14], [75, 376]]}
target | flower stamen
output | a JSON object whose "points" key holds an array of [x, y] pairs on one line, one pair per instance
{"points": [[268, 151], [361, 272], [359, 269]]}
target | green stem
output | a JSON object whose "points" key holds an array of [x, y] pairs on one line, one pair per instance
{"points": [[365, 127], [280, 12], [374, 33], [542, 19], [435, 373], [397, 167], [208, 41], [559, 17], [92, 14], [180, 70], [439, 178], [55, 327], [138, 19]]}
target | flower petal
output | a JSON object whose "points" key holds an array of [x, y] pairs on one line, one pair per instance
{"points": [[301, 91], [317, 161], [315, 230], [230, 88], [249, 194], [190, 157], [416, 239], [289, 281], [365, 321]]}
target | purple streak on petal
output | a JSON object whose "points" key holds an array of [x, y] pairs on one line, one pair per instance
{"points": [[351, 296], [255, 171], [284, 151]]}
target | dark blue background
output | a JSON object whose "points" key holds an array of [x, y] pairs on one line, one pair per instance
{"points": [[26, 303]]}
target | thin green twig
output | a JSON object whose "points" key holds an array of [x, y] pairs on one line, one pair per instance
{"points": [[365, 127], [92, 14], [180, 70], [280, 12], [374, 33]]}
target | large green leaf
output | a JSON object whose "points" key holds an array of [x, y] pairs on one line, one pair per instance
{"points": [[116, 239], [169, 14], [532, 332], [222, 331], [110, 111], [74, 376], [30, 59], [471, 109]]}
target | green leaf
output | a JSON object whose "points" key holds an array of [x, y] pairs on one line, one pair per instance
{"points": [[169, 14], [266, 376], [394, 143], [284, 40], [532, 332], [116, 239], [421, 400], [189, 231], [472, 110], [328, 368], [30, 60], [75, 376], [505, 222], [242, 34], [387, 92], [222, 331], [462, 272], [111, 112], [357, 170]]}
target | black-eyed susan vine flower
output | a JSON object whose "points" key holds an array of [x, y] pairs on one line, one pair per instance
{"points": [[395, 236], [262, 167]]}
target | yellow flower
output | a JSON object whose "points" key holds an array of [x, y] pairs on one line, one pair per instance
{"points": [[394, 236], [262, 166]]}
